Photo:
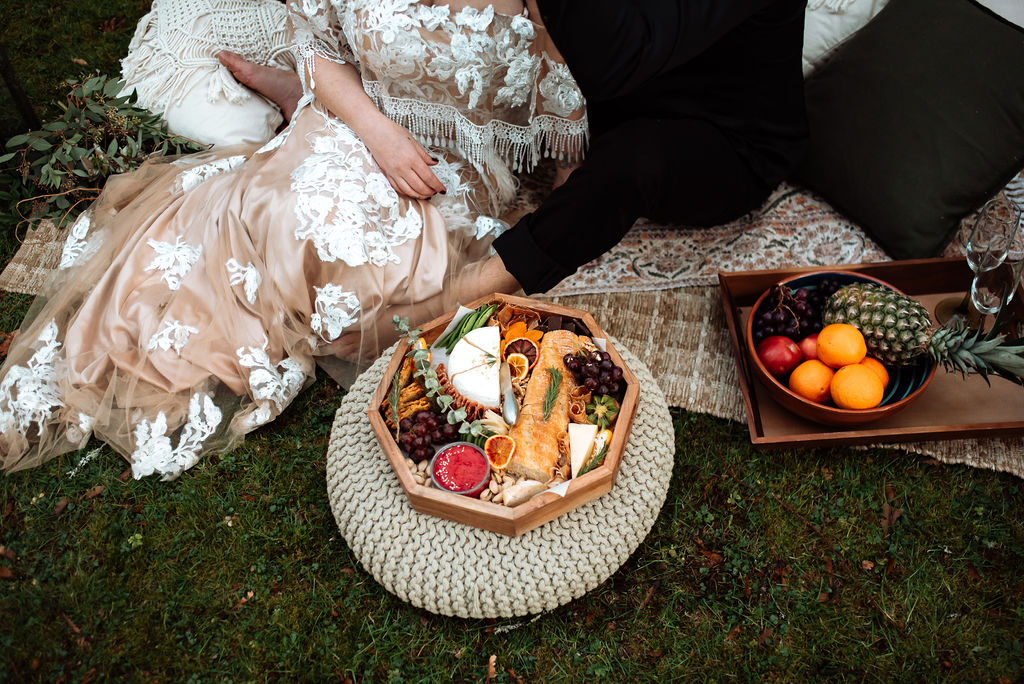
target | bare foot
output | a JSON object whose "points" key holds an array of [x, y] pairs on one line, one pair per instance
{"points": [[279, 86]]}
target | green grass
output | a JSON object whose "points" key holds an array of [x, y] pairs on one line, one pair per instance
{"points": [[762, 564]]}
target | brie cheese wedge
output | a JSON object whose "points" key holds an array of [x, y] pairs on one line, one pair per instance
{"points": [[473, 366], [581, 444]]}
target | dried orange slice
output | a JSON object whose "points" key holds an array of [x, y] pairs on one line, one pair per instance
{"points": [[518, 330], [518, 364], [524, 346], [499, 450]]}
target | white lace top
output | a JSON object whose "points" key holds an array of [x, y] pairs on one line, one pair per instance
{"points": [[475, 81]]}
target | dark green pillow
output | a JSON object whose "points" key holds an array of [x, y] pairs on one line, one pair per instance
{"points": [[916, 120]]}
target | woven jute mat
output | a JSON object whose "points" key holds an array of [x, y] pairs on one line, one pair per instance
{"points": [[681, 336], [34, 262], [454, 569]]}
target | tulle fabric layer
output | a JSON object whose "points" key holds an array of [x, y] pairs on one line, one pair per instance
{"points": [[165, 365]]}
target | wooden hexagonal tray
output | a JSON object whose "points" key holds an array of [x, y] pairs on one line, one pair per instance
{"points": [[545, 506]]}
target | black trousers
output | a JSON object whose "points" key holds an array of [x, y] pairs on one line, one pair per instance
{"points": [[696, 110]]}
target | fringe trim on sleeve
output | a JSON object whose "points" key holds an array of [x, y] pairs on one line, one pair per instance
{"points": [[519, 146]]}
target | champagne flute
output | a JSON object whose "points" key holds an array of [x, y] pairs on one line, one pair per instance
{"points": [[993, 240], [985, 250]]}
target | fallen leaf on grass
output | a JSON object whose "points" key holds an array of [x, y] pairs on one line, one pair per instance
{"points": [[5, 572], [125, 474], [61, 506], [765, 635], [72, 625], [512, 674], [242, 601], [733, 633], [647, 598], [715, 558], [79, 61], [94, 492], [972, 573], [491, 668], [867, 565], [5, 341], [8, 554]]}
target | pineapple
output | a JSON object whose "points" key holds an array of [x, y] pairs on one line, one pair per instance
{"points": [[898, 331]]}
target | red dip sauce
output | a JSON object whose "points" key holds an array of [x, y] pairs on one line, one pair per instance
{"points": [[462, 469]]}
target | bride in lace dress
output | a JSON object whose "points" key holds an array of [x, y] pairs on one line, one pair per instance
{"points": [[196, 295]]}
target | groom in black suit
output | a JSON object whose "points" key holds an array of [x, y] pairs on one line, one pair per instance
{"points": [[697, 113]]}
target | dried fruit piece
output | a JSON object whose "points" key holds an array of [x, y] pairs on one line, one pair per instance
{"points": [[518, 365], [524, 346], [499, 450]]}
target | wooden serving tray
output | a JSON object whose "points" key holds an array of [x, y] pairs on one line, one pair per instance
{"points": [[951, 407], [542, 508]]}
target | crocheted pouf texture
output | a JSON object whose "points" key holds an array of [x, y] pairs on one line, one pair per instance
{"points": [[454, 569]]}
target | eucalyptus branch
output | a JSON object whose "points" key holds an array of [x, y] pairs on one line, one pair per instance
{"points": [[421, 362]]}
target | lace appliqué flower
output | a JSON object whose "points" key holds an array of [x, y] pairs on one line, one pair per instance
{"points": [[173, 335], [270, 384], [174, 260], [153, 450], [29, 393], [487, 225], [77, 248], [190, 178], [335, 310], [332, 187], [558, 91], [248, 276]]}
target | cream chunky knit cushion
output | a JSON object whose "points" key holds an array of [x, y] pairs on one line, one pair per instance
{"points": [[453, 569]]}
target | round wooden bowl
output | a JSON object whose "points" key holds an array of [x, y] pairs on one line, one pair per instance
{"points": [[906, 383]]}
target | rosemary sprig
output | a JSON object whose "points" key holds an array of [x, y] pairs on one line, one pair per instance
{"points": [[393, 399], [594, 461], [552, 393]]}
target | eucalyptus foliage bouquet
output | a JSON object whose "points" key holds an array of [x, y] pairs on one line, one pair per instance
{"points": [[55, 172]]}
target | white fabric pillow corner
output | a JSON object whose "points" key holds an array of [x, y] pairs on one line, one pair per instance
{"points": [[827, 23], [172, 65]]}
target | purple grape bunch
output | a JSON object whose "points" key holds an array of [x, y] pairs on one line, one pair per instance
{"points": [[793, 313], [596, 371], [420, 433]]}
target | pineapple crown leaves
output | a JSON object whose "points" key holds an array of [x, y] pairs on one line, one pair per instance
{"points": [[981, 352]]}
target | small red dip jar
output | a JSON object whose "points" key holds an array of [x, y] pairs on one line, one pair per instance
{"points": [[460, 468]]}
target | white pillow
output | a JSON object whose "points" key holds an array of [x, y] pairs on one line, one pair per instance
{"points": [[827, 23], [172, 65]]}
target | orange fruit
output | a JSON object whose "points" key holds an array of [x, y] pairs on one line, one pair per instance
{"points": [[499, 450], [524, 346], [857, 387], [841, 344], [876, 365], [518, 364], [811, 380]]}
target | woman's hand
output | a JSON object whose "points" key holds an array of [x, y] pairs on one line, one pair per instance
{"points": [[403, 160]]}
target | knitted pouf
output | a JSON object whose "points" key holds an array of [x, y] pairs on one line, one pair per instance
{"points": [[454, 569]]}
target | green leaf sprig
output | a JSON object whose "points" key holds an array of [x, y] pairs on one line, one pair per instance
{"points": [[56, 171], [421, 361], [552, 393], [594, 461], [393, 396]]}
